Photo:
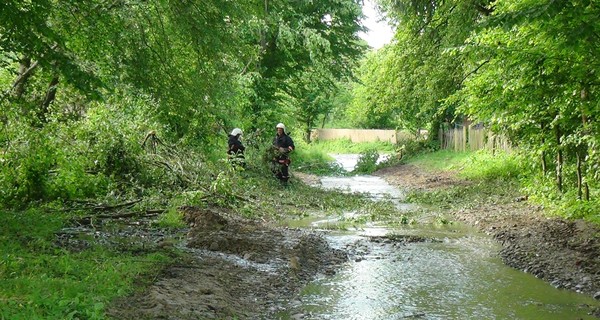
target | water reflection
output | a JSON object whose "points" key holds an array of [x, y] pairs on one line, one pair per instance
{"points": [[375, 187], [457, 277]]}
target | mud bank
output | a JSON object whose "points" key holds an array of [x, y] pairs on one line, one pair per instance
{"points": [[235, 269]]}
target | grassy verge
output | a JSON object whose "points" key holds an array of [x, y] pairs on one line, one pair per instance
{"points": [[494, 178], [347, 146], [43, 281], [255, 193]]}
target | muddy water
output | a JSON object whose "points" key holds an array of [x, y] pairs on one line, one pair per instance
{"points": [[454, 274]]}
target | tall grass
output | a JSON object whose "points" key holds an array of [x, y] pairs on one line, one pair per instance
{"points": [[472, 165], [502, 175]]}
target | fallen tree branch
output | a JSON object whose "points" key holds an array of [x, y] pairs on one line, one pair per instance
{"points": [[117, 206], [102, 207], [86, 220]]}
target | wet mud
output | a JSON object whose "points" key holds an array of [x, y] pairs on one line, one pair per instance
{"points": [[236, 269]]}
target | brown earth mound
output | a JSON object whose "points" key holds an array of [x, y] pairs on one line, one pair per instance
{"points": [[239, 269]]}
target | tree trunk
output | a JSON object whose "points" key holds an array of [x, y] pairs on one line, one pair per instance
{"points": [[585, 98], [307, 131], [586, 187], [559, 159], [263, 33], [24, 74], [544, 164], [50, 95], [543, 154], [579, 176], [25, 71], [436, 126]]}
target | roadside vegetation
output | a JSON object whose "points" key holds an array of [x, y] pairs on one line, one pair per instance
{"points": [[494, 178], [316, 157], [41, 280]]}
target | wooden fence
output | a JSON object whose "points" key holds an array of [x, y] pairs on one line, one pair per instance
{"points": [[472, 138]]}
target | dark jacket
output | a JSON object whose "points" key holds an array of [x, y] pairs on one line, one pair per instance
{"points": [[283, 141], [235, 145]]}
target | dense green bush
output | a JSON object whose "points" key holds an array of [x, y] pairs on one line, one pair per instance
{"points": [[25, 169], [412, 147], [367, 162]]}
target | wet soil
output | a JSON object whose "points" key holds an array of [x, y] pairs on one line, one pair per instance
{"points": [[235, 269], [565, 253]]}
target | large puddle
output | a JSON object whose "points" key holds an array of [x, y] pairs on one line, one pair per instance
{"points": [[457, 274]]}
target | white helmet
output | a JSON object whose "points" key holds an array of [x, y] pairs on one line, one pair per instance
{"points": [[236, 131], [280, 125]]}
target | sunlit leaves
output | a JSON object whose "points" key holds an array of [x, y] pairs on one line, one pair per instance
{"points": [[305, 47], [540, 80]]}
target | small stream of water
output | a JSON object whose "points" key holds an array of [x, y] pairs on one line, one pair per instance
{"points": [[458, 275]]}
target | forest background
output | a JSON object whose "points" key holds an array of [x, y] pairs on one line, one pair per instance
{"points": [[89, 89], [112, 104]]}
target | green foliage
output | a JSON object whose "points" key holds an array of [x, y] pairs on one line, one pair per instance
{"points": [[25, 170], [407, 148], [542, 190], [367, 162], [505, 176], [577, 209], [347, 146], [77, 159], [522, 68], [485, 166], [370, 107], [172, 218], [313, 160], [305, 47], [50, 48], [440, 160], [337, 117], [473, 165], [532, 85], [73, 180], [315, 157], [409, 80], [182, 71]]}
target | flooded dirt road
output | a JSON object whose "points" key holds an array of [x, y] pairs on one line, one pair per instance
{"points": [[241, 269], [452, 272]]}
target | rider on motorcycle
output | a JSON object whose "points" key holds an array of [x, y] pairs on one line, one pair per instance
{"points": [[283, 144]]}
